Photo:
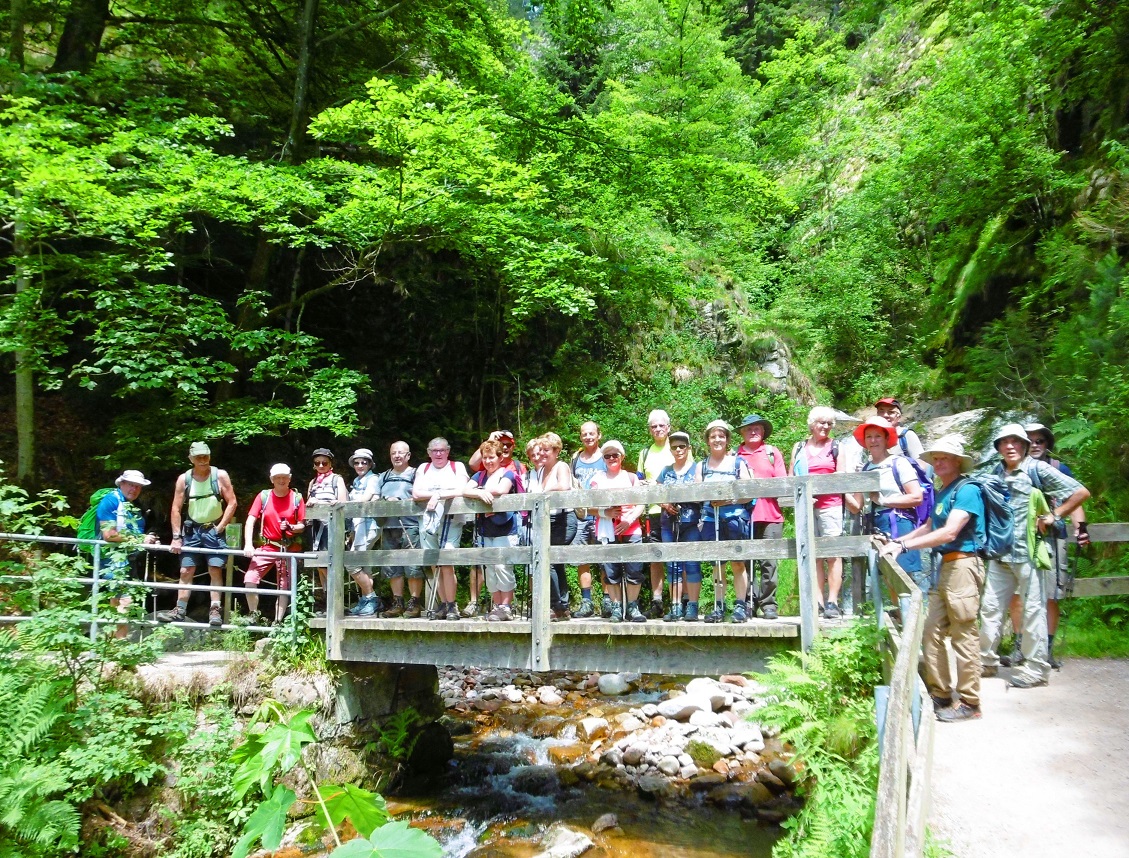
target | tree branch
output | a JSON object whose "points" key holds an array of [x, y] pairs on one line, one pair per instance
{"points": [[363, 22]]}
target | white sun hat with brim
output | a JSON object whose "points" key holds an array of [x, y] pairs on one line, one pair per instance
{"points": [[361, 453], [1011, 430], [279, 470], [950, 445], [718, 424], [132, 477], [613, 446]]}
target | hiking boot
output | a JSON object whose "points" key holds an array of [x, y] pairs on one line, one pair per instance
{"points": [[940, 703], [367, 606], [740, 614], [560, 616], [176, 615], [821, 610], [471, 610], [961, 712], [1054, 662], [634, 615], [500, 614], [413, 611], [832, 612], [1027, 680], [674, 614], [717, 615], [1013, 659], [215, 616], [585, 610], [606, 608], [453, 612], [440, 612], [770, 612], [615, 613], [656, 610], [690, 615], [988, 671], [397, 609]]}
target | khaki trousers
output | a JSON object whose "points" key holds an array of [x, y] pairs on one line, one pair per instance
{"points": [[953, 606], [1004, 580]]}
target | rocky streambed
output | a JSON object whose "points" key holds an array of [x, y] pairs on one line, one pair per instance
{"points": [[621, 764]]}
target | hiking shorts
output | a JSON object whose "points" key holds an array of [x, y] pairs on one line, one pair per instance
{"points": [[585, 531], [393, 538], [201, 536], [829, 521], [260, 567]]}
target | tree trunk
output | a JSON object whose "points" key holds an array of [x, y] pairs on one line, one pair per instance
{"points": [[26, 474], [82, 35], [16, 36], [301, 84]]}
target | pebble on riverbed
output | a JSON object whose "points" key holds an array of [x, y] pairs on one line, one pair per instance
{"points": [[693, 741]]}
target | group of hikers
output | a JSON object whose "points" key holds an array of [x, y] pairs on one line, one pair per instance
{"points": [[923, 502]]}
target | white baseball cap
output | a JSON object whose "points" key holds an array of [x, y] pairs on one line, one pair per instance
{"points": [[279, 470]]}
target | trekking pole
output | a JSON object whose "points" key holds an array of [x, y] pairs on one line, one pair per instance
{"points": [[718, 572]]}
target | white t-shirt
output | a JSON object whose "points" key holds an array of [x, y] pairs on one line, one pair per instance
{"points": [[431, 480]]}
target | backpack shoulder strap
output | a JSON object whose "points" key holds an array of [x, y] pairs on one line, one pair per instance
{"points": [[902, 442], [834, 450], [574, 460], [643, 458], [796, 448]]}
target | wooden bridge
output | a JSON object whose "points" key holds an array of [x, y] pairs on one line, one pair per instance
{"points": [[598, 645]]}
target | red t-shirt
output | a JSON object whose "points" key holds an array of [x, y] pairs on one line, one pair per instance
{"points": [[290, 507], [765, 509]]}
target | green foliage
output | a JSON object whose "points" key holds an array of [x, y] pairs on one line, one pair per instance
{"points": [[275, 751], [823, 704]]}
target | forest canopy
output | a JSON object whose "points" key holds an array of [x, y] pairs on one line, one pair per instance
{"points": [[287, 224]]}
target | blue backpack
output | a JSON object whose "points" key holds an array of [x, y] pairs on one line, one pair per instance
{"points": [[920, 513], [997, 536]]}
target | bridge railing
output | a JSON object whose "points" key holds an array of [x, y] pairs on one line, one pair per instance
{"points": [[540, 554], [905, 737], [1110, 585]]}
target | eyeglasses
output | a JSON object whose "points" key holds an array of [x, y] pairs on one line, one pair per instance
{"points": [[679, 446], [612, 456], [660, 425], [1035, 439]]}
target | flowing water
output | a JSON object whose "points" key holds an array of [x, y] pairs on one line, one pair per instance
{"points": [[506, 788]]}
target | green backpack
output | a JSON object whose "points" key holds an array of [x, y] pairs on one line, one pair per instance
{"points": [[88, 524]]}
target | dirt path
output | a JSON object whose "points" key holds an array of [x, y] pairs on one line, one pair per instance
{"points": [[1045, 772]]}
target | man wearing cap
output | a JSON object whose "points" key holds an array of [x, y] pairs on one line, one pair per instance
{"points": [[505, 438], [366, 531], [764, 462], [1016, 571], [280, 513], [120, 521], [651, 462], [957, 518], [203, 505], [890, 410], [325, 489], [1055, 579], [402, 532]]}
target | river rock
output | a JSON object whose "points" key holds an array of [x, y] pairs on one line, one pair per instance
{"points": [[512, 694], [649, 710], [562, 842], [536, 780], [487, 705], [771, 781], [613, 684], [549, 696], [784, 771], [711, 690], [590, 729], [633, 756], [655, 786], [566, 754], [628, 722], [681, 708], [732, 795], [708, 719], [608, 820], [669, 766], [707, 781], [547, 726], [612, 757]]}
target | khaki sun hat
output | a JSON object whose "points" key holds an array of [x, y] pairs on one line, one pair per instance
{"points": [[199, 448], [718, 424], [950, 445], [361, 453], [1011, 430], [1033, 428]]}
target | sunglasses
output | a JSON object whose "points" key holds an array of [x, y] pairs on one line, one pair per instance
{"points": [[321, 463], [679, 446], [612, 456]]}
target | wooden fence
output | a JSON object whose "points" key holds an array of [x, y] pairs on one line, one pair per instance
{"points": [[539, 555]]}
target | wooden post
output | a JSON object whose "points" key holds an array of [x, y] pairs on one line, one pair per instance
{"points": [[335, 584], [805, 561], [540, 571]]}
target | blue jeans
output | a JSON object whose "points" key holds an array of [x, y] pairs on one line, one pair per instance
{"points": [[675, 531]]}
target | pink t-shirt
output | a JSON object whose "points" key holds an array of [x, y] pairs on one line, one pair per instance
{"points": [[821, 462], [765, 462]]}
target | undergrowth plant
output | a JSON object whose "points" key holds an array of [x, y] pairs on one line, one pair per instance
{"points": [[822, 702], [269, 753]]}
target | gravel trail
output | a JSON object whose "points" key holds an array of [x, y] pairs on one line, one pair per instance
{"points": [[1045, 772]]}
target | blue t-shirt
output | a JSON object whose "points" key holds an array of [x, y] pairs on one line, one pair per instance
{"points": [[691, 510], [585, 471], [117, 511], [961, 495]]}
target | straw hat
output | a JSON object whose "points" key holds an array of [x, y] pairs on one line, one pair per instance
{"points": [[950, 445]]}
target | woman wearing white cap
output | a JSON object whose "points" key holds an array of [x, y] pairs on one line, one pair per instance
{"points": [[620, 525], [282, 514], [729, 522], [366, 487], [955, 530]]}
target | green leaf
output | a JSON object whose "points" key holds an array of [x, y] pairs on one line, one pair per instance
{"points": [[367, 811], [394, 840], [266, 823]]}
